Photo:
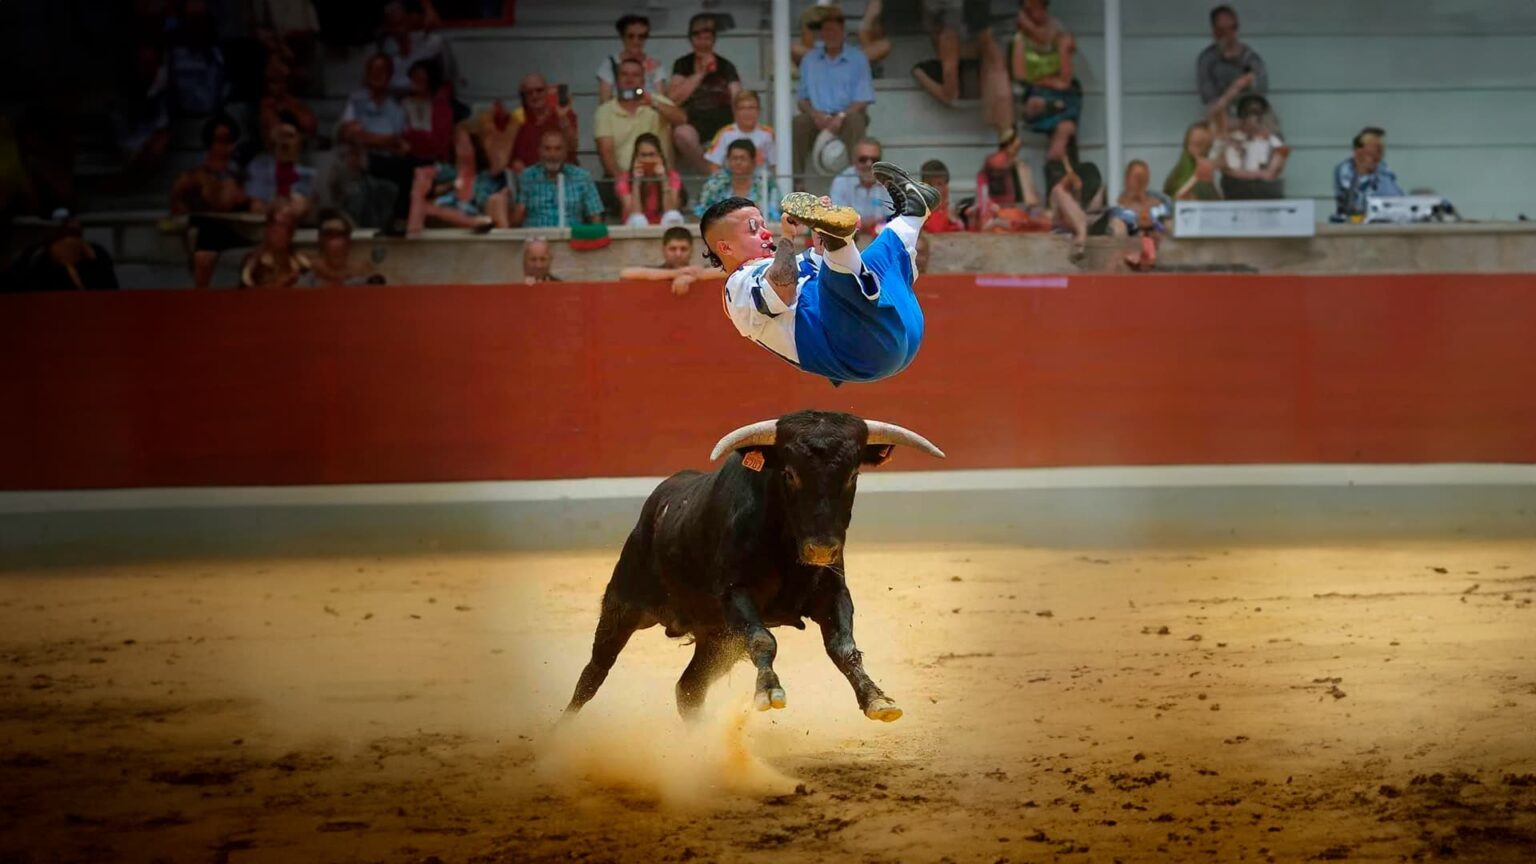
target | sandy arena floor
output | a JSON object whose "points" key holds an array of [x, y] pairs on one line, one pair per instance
{"points": [[1363, 704]]}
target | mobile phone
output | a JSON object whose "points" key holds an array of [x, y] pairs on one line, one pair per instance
{"points": [[565, 95]]}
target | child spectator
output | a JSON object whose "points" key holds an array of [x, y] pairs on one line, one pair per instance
{"points": [[746, 110], [942, 219], [1193, 177], [676, 253], [650, 191], [741, 178], [1252, 155]]}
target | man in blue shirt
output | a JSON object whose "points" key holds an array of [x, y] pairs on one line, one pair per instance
{"points": [[835, 89], [1363, 175], [858, 188]]}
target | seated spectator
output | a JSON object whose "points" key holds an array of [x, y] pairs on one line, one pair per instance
{"points": [[141, 115], [540, 189], [64, 262], [275, 263], [741, 178], [703, 85], [428, 115], [538, 257], [199, 79], [856, 187], [1193, 177], [405, 45], [676, 253], [942, 219], [212, 187], [334, 265], [1364, 175], [633, 30], [632, 112], [746, 109], [1252, 156], [374, 121], [276, 101], [540, 112], [1006, 198], [1076, 190], [277, 175], [1138, 212], [1228, 68], [651, 191], [1041, 59], [346, 184], [873, 40], [835, 89], [462, 193], [958, 26]]}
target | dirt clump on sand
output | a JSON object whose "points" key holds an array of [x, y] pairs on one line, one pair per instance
{"points": [[403, 710]]}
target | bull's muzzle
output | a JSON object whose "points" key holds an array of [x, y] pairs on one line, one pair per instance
{"points": [[820, 554]]}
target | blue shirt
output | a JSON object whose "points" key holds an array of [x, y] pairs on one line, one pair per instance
{"points": [[873, 202], [539, 192], [1351, 189], [833, 83], [379, 118]]}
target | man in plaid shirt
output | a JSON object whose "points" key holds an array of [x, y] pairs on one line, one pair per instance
{"points": [[538, 190]]}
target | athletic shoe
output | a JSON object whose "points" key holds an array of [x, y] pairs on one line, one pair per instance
{"points": [[910, 197]]}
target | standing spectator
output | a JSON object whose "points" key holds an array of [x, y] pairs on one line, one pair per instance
{"points": [[277, 100], [276, 175], [953, 25], [632, 112], [275, 263], [335, 265], [64, 262], [1364, 175], [406, 45], [873, 40], [1041, 59], [141, 116], [540, 112], [462, 194], [428, 115], [650, 190], [1252, 155], [199, 78], [942, 219], [703, 85], [741, 178], [538, 257], [633, 30], [676, 253], [212, 187], [746, 110], [376, 123], [1227, 67], [540, 186], [1193, 177], [835, 89], [857, 187]]}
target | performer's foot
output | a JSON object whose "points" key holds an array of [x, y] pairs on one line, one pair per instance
{"points": [[835, 224], [910, 197]]}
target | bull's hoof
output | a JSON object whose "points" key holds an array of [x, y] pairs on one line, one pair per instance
{"points": [[882, 708], [770, 698]]}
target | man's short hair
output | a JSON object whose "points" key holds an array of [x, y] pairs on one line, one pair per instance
{"points": [[677, 232], [742, 144], [625, 21], [1223, 9], [1368, 133], [628, 60], [934, 168], [868, 141], [715, 213]]}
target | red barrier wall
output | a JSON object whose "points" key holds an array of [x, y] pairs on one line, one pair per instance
{"points": [[484, 382]]}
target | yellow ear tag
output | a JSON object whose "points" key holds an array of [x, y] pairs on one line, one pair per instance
{"points": [[753, 461]]}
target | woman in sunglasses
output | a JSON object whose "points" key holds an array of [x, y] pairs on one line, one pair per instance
{"points": [[634, 30]]}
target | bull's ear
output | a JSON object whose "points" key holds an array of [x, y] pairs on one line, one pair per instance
{"points": [[876, 455]]}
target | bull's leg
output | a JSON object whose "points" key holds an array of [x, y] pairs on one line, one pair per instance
{"points": [[713, 655], [742, 618], [836, 620], [615, 625]]}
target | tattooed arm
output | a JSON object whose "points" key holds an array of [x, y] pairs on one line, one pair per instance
{"points": [[784, 273]]}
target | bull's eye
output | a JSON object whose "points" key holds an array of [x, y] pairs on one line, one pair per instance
{"points": [[791, 477]]}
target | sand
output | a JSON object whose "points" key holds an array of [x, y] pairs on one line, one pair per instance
{"points": [[1352, 703]]}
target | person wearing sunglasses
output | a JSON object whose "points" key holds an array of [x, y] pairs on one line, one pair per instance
{"points": [[634, 30], [857, 187], [703, 85]]}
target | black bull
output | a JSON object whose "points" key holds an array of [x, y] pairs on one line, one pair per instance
{"points": [[755, 544]]}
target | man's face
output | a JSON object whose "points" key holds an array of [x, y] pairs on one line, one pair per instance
{"points": [[1369, 154], [864, 158], [552, 151], [631, 77], [1224, 29], [739, 162], [746, 113], [677, 252], [379, 73], [534, 92], [536, 259], [285, 143], [738, 237], [833, 32]]}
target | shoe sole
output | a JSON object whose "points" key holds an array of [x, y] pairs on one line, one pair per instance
{"points": [[807, 209]]}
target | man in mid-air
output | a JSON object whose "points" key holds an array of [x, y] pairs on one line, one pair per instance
{"points": [[848, 317]]}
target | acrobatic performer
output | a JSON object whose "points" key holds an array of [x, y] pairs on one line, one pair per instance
{"points": [[853, 317]]}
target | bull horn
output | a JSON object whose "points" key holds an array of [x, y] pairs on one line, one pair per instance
{"points": [[761, 434], [890, 433]]}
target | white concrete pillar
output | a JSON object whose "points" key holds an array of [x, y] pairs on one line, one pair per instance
{"points": [[783, 99], [1115, 145]]}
